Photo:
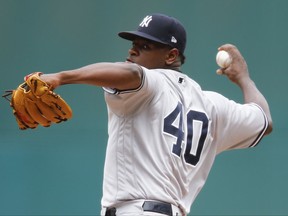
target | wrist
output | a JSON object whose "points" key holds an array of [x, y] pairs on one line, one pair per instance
{"points": [[245, 82]]}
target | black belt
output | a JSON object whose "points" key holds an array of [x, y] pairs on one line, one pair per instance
{"points": [[159, 207], [151, 206], [110, 212]]}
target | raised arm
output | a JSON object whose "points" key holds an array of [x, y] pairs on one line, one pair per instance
{"points": [[114, 75], [238, 73]]}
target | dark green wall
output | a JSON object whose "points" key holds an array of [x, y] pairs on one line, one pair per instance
{"points": [[58, 170]]}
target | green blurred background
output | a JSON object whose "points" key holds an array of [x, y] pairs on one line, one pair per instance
{"points": [[58, 170]]}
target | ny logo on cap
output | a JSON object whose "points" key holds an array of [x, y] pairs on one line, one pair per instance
{"points": [[145, 22]]}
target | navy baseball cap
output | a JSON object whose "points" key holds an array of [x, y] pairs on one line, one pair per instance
{"points": [[159, 28]]}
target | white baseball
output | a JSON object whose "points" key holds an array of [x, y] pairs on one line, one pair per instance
{"points": [[223, 59]]}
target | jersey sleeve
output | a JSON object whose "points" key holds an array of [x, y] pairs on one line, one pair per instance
{"points": [[237, 125], [126, 102]]}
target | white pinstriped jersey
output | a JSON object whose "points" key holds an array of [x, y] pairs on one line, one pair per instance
{"points": [[164, 136]]}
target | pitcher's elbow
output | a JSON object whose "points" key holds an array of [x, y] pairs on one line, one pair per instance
{"points": [[270, 127]]}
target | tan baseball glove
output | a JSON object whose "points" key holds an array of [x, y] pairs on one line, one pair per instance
{"points": [[34, 103]]}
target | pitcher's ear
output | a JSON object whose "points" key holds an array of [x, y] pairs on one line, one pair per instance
{"points": [[172, 56]]}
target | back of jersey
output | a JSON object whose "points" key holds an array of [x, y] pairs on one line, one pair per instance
{"points": [[165, 135]]}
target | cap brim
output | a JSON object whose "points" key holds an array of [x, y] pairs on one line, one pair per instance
{"points": [[131, 35]]}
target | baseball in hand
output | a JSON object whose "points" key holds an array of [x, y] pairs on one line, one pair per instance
{"points": [[223, 59]]}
